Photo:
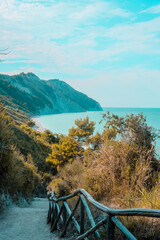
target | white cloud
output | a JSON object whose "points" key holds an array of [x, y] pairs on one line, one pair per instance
{"points": [[100, 9], [27, 28], [22, 61], [154, 10], [129, 87]]}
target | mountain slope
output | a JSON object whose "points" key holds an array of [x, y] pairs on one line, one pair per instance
{"points": [[27, 93], [71, 99]]}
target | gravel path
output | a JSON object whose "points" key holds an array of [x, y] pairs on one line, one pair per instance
{"points": [[28, 223]]}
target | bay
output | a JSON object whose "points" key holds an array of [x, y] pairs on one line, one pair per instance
{"points": [[61, 123]]}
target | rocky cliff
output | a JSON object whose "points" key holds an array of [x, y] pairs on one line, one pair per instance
{"points": [[28, 93]]}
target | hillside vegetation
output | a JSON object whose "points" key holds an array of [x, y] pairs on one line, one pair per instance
{"points": [[119, 167], [26, 95], [23, 169], [123, 156]]}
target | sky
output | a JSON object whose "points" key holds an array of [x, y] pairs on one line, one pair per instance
{"points": [[109, 50]]}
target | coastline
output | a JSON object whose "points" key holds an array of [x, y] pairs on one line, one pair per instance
{"points": [[38, 126]]}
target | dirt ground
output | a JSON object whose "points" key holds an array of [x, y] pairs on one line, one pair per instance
{"points": [[27, 223]]}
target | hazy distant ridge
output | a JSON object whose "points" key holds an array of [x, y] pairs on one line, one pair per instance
{"points": [[29, 93]]}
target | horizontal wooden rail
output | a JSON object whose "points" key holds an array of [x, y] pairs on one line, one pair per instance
{"points": [[57, 214]]}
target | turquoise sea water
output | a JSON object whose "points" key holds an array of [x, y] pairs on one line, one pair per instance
{"points": [[60, 123]]}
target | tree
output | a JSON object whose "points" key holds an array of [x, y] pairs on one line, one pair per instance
{"points": [[64, 151], [50, 137], [133, 129], [83, 131], [30, 123], [95, 141], [6, 139]]}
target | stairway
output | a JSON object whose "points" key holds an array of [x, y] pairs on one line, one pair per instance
{"points": [[26, 223]]}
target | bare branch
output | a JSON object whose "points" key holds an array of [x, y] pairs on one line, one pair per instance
{"points": [[4, 51]]}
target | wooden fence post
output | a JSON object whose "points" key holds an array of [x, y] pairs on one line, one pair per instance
{"points": [[64, 215], [110, 228], [82, 218], [55, 215], [49, 213], [52, 213]]}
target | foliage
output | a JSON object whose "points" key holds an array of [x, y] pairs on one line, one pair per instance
{"points": [[84, 129], [119, 161], [133, 129], [30, 123], [16, 97], [25, 95], [118, 167], [23, 179], [64, 151], [6, 152], [94, 141], [23, 169], [69, 178], [49, 137], [31, 143], [18, 178]]}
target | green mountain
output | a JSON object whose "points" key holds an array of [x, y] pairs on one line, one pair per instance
{"points": [[27, 93]]}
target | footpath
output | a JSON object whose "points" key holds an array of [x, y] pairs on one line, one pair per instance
{"points": [[26, 223]]}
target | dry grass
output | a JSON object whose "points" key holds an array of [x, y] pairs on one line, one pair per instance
{"points": [[120, 175]]}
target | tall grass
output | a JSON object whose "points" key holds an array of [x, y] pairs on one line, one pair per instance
{"points": [[121, 172]]}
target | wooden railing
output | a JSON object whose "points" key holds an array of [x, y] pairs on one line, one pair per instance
{"points": [[61, 214]]}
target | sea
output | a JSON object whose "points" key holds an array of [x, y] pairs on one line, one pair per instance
{"points": [[61, 123]]}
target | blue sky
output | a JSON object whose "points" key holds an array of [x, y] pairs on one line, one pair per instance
{"points": [[109, 50]]}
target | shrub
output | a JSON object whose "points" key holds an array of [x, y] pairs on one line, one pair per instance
{"points": [[69, 178], [30, 123], [63, 152], [6, 139], [83, 131], [119, 163]]}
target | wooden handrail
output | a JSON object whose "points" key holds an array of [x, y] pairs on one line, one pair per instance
{"points": [[55, 214]]}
